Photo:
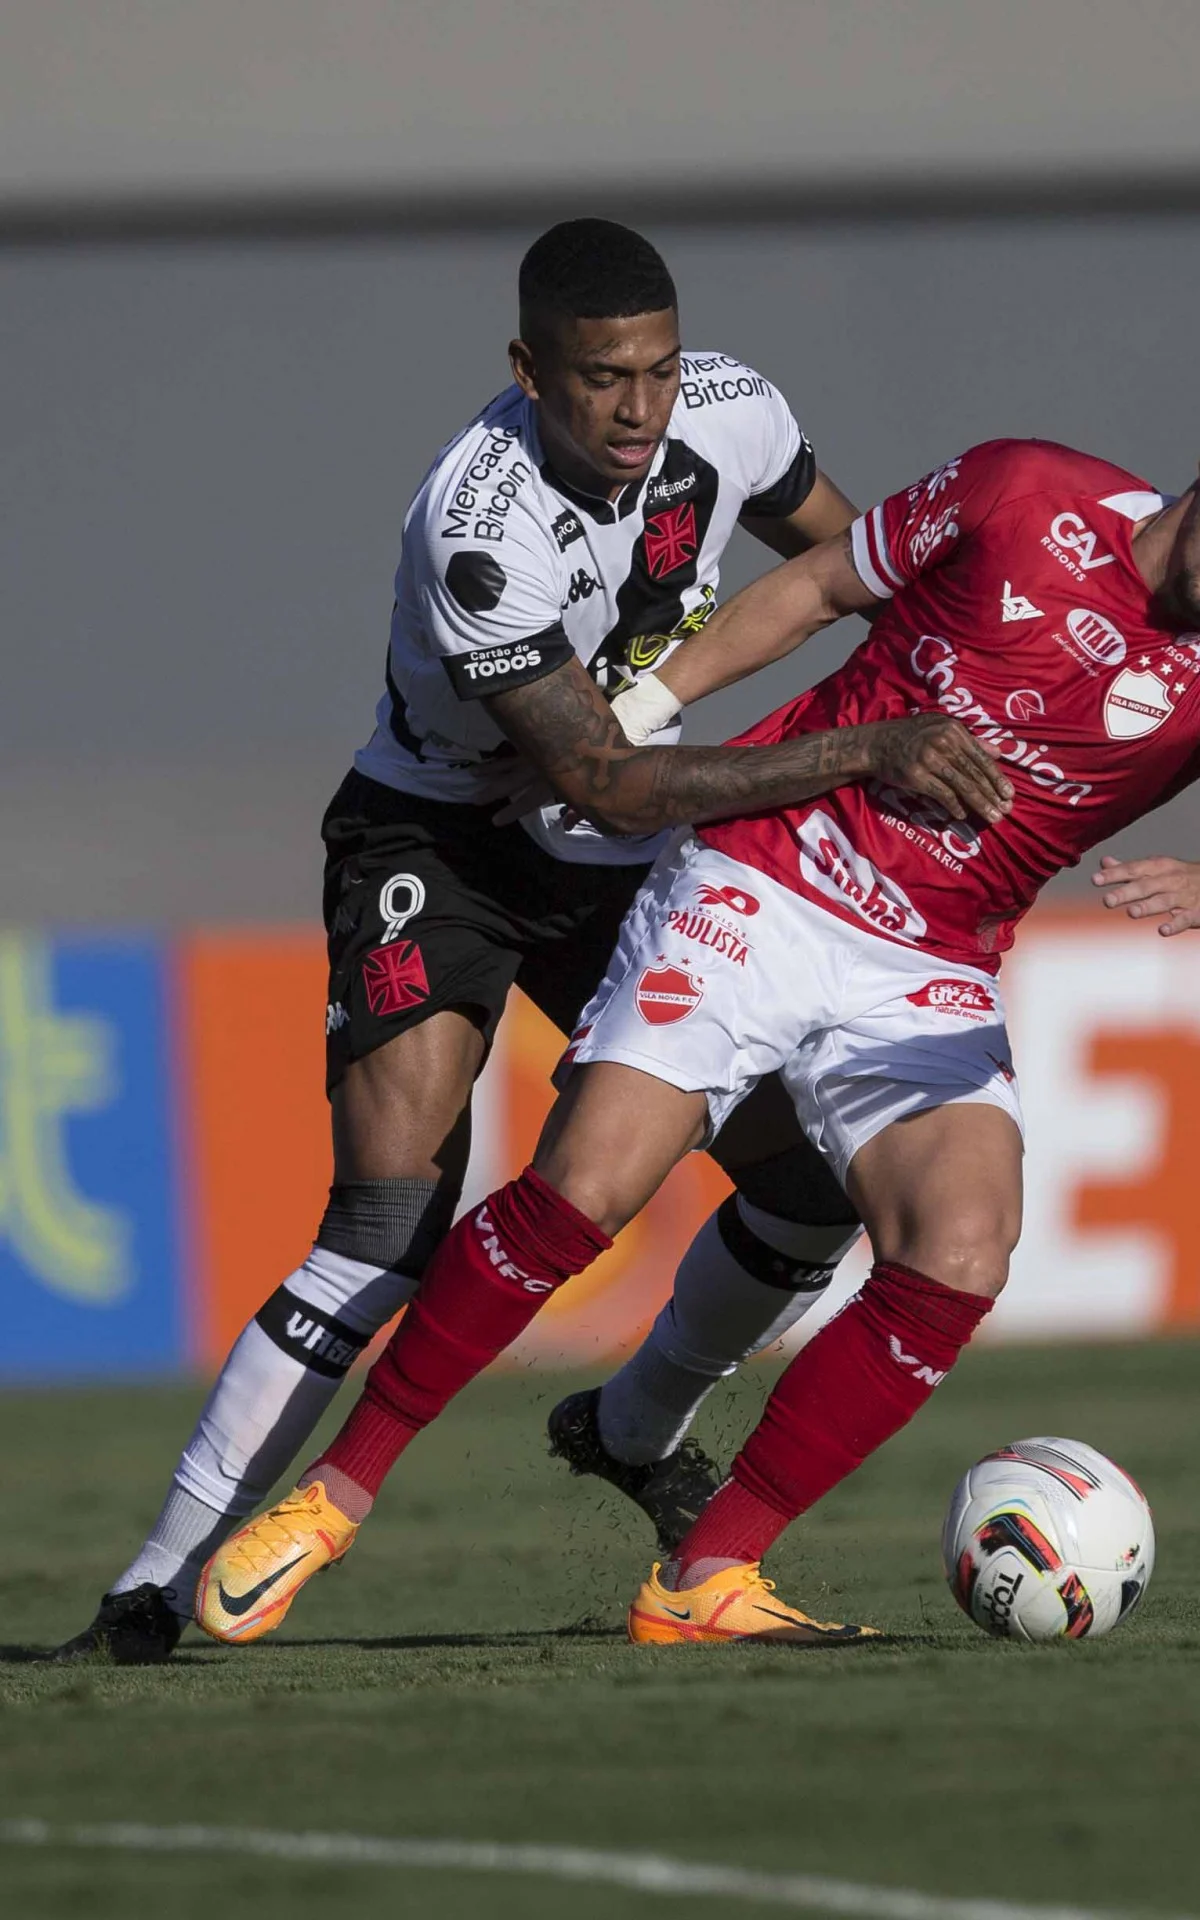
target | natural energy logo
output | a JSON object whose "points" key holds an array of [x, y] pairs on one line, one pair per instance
{"points": [[54, 1065]]}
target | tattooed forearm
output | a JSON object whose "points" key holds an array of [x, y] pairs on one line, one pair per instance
{"points": [[565, 726]]}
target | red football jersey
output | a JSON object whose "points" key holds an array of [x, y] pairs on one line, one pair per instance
{"points": [[1018, 609]]}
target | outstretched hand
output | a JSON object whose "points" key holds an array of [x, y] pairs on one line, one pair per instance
{"points": [[931, 754], [1159, 885]]}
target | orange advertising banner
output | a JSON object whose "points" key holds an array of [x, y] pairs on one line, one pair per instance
{"points": [[1105, 1020]]}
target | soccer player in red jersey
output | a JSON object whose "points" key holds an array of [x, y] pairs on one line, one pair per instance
{"points": [[851, 943]]}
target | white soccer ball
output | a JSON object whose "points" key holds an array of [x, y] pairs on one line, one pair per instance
{"points": [[1047, 1539]]}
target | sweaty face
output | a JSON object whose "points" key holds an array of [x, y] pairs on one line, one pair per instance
{"points": [[605, 389]]}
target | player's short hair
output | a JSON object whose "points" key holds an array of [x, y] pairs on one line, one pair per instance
{"points": [[590, 270]]}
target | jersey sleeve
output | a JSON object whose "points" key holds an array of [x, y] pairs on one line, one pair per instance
{"points": [[493, 612], [784, 465], [922, 528], [743, 424]]}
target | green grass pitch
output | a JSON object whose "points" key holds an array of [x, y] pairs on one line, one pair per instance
{"points": [[465, 1675]]}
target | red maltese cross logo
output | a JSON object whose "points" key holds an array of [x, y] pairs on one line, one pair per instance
{"points": [[670, 540], [395, 978]]}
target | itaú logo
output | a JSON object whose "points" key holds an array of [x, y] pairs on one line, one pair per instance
{"points": [[934, 661]]}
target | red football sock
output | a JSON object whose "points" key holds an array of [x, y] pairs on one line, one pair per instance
{"points": [[854, 1386], [490, 1275]]}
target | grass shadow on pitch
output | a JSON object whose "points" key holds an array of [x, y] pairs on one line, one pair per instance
{"points": [[415, 1642], [548, 1636], [27, 1656]]}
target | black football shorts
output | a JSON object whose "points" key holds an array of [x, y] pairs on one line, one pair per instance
{"points": [[428, 905]]}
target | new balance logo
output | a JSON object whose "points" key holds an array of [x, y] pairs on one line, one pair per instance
{"points": [[1016, 607], [928, 1375]]}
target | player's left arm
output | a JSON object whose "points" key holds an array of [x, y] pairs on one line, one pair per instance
{"points": [[906, 535], [769, 618], [1159, 885]]}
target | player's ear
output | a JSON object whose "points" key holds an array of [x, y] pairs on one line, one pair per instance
{"points": [[524, 367]]}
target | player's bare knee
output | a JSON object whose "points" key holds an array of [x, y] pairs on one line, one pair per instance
{"points": [[969, 1247], [590, 1188]]}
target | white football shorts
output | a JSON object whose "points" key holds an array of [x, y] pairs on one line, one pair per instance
{"points": [[721, 975]]}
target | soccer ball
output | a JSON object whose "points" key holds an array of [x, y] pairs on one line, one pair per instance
{"points": [[1047, 1540]]}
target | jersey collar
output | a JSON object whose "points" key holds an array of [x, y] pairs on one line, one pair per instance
{"points": [[604, 512]]}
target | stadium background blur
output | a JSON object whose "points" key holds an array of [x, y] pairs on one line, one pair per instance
{"points": [[256, 263]]}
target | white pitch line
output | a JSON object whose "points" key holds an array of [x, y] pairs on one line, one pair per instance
{"points": [[643, 1872]]}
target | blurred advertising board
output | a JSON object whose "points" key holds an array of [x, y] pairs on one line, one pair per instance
{"points": [[164, 1146]]}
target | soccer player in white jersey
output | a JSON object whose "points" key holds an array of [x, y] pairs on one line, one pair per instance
{"points": [[851, 943], [564, 543]]}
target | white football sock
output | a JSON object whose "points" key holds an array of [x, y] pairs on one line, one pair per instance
{"points": [[281, 1374], [718, 1315]]}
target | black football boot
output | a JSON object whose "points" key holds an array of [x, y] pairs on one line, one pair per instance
{"points": [[134, 1629], [669, 1492]]}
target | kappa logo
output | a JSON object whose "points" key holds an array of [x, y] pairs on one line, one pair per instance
{"points": [[732, 897], [666, 994], [1136, 704], [336, 1018], [395, 979], [1073, 545], [670, 540], [583, 586], [1014, 606], [964, 999], [914, 1364]]}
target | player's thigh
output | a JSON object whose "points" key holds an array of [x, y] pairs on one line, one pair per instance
{"points": [[691, 1014], [402, 1111], [766, 1153], [912, 1098], [573, 940], [423, 949], [940, 1191], [612, 1138]]}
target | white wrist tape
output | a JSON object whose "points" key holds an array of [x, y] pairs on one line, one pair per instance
{"points": [[644, 709]]}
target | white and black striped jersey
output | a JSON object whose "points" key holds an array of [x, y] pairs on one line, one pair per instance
{"points": [[505, 571]]}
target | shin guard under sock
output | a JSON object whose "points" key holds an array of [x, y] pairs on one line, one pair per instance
{"points": [[857, 1383], [489, 1278]]}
